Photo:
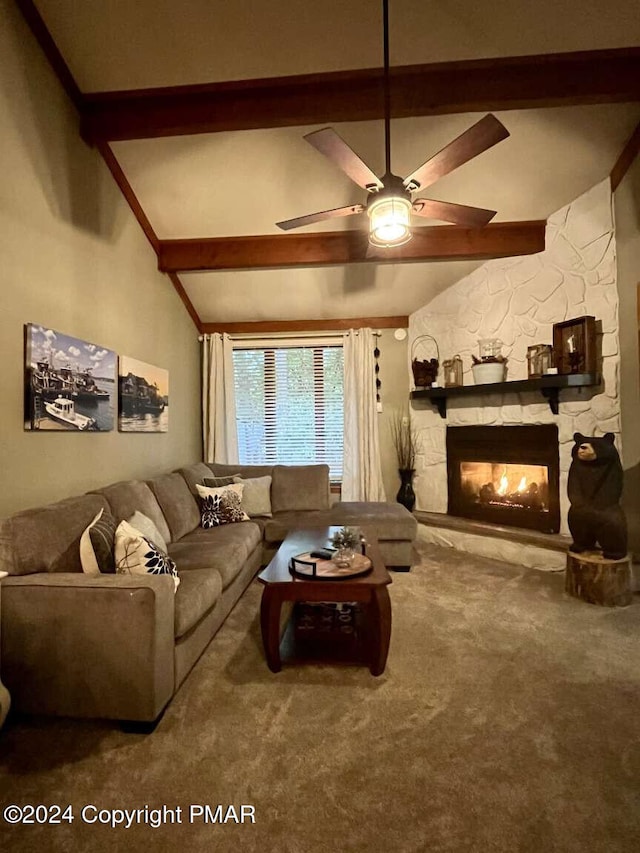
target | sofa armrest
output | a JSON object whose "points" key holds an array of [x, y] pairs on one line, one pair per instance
{"points": [[89, 646]]}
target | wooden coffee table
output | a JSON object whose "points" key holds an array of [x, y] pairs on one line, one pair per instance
{"points": [[370, 591]]}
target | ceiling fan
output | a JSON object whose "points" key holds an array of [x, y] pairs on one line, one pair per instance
{"points": [[390, 202]]}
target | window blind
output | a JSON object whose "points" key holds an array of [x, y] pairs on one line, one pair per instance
{"points": [[289, 405]]}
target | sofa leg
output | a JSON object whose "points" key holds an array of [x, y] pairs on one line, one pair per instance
{"points": [[399, 568]]}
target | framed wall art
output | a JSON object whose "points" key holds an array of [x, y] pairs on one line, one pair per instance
{"points": [[143, 396], [69, 383]]}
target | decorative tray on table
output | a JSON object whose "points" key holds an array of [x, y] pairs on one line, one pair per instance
{"points": [[314, 568]]}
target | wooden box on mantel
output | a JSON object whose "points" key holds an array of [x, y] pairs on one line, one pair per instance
{"points": [[574, 345]]}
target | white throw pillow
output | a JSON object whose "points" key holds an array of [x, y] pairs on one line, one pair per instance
{"points": [[256, 498], [87, 554], [135, 554], [146, 526]]}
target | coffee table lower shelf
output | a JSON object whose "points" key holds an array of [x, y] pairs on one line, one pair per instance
{"points": [[325, 633]]}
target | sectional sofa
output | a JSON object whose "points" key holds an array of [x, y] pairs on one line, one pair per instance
{"points": [[118, 645]]}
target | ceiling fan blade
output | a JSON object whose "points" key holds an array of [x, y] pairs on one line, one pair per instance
{"points": [[288, 224], [333, 146], [459, 214], [478, 138]]}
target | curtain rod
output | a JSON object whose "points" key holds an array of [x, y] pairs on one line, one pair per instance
{"points": [[284, 335]]}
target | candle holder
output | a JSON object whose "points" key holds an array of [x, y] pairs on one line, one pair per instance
{"points": [[452, 369], [539, 360], [574, 345]]}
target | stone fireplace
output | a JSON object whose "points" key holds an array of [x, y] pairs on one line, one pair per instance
{"points": [[506, 475], [518, 300]]}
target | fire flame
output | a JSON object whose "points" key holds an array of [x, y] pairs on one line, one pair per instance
{"points": [[503, 488]]}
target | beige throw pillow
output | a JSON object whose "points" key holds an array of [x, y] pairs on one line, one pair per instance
{"points": [[256, 497], [147, 527]]}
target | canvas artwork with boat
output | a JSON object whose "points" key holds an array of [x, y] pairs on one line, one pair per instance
{"points": [[69, 382], [143, 396]]}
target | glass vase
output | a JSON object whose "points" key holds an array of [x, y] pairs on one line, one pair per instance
{"points": [[344, 557]]}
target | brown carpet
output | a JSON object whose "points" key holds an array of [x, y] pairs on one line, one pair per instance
{"points": [[507, 720]]}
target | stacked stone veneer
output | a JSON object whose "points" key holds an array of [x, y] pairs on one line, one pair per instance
{"points": [[518, 300]]}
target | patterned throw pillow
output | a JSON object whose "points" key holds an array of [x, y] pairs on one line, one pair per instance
{"points": [[221, 506], [97, 545], [135, 554]]}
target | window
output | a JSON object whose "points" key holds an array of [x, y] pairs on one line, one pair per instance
{"points": [[289, 405]]}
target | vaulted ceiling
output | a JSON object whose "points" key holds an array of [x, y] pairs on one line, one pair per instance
{"points": [[199, 109]]}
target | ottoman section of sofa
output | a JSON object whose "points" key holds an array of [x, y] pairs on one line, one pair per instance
{"points": [[394, 526]]}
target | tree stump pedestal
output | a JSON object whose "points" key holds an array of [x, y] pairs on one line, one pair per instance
{"points": [[593, 578]]}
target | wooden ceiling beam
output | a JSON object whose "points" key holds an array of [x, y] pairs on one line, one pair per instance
{"points": [[507, 83], [261, 327], [330, 248], [626, 159]]}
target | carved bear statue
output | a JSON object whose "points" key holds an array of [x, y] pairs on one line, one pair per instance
{"points": [[594, 489]]}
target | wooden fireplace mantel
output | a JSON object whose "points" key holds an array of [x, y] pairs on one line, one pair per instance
{"points": [[548, 386]]}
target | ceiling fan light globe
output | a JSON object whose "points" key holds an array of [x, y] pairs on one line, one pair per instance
{"points": [[389, 221]]}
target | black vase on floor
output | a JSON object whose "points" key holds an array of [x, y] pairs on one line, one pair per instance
{"points": [[406, 496]]}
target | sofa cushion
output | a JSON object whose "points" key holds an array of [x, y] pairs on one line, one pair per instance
{"points": [[220, 469], [47, 539], [198, 592], [300, 487], [194, 474], [389, 521], [131, 495], [178, 505], [276, 528], [223, 548]]}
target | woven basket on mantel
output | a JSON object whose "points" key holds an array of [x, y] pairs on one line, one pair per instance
{"points": [[425, 371]]}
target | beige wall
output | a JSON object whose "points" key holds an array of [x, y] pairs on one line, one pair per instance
{"points": [[627, 213], [394, 375], [73, 258]]}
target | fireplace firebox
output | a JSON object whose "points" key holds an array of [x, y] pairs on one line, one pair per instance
{"points": [[505, 475]]}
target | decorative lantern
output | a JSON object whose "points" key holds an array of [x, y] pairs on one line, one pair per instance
{"points": [[425, 371], [452, 368], [539, 360]]}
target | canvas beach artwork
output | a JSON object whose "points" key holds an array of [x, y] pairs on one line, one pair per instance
{"points": [[70, 384], [143, 396]]}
